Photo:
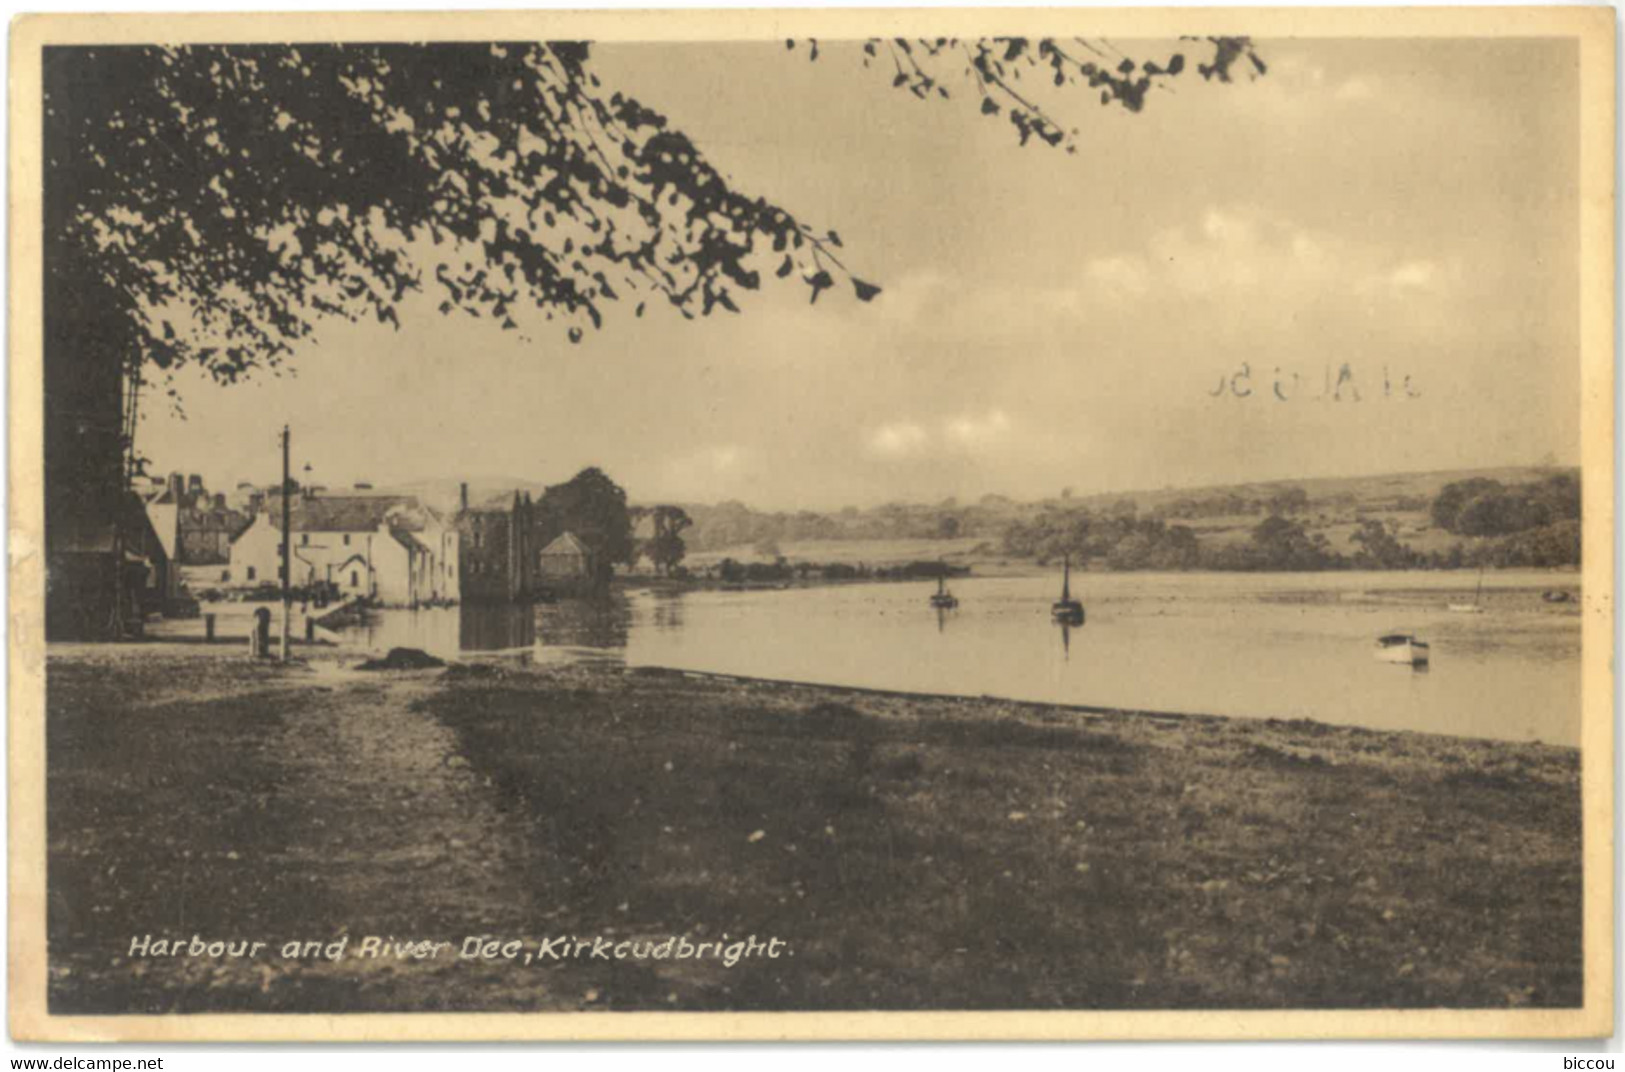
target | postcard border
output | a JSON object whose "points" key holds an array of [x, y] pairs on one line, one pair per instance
{"points": [[1593, 27]]}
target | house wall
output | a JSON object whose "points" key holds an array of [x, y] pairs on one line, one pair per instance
{"points": [[564, 567], [255, 555], [372, 564], [392, 570], [485, 546]]}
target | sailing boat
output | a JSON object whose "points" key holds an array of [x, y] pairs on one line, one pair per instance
{"points": [[944, 599], [1067, 610], [1473, 607]]}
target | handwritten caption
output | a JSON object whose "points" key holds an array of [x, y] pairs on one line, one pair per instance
{"points": [[475, 948]]}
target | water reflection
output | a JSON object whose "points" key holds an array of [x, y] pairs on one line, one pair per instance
{"points": [[1247, 645], [496, 627], [601, 623], [668, 611]]}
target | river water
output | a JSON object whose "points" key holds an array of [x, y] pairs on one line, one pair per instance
{"points": [[1246, 645]]}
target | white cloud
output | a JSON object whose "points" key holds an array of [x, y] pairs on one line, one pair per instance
{"points": [[1414, 275], [899, 439], [978, 431]]}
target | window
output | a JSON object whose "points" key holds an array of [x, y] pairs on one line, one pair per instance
{"points": [[251, 573], [346, 539], [304, 539], [355, 579]]}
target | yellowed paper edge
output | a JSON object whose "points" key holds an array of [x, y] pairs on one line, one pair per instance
{"points": [[1593, 27]]}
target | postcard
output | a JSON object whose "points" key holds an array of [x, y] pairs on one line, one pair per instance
{"points": [[863, 524]]}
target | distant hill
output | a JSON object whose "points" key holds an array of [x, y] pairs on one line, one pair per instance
{"points": [[444, 494], [1371, 491], [1218, 512]]}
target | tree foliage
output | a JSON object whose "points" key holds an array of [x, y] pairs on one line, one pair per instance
{"points": [[1009, 74], [1483, 507], [664, 547], [592, 507], [221, 199]]}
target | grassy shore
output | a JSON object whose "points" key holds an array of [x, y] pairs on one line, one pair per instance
{"points": [[911, 852]]}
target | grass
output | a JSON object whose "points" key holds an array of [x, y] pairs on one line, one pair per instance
{"points": [[914, 853]]}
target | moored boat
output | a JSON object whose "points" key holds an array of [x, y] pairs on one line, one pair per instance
{"points": [[1066, 610], [1478, 593], [944, 599], [1402, 648]]}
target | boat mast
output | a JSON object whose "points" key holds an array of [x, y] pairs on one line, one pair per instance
{"points": [[1066, 579]]}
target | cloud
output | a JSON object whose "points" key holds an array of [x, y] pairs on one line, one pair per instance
{"points": [[978, 431], [1242, 254], [899, 439], [944, 436], [1414, 274]]}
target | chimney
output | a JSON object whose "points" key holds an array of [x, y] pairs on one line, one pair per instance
{"points": [[219, 500], [177, 487], [464, 496]]}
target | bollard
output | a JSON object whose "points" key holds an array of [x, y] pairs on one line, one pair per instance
{"points": [[208, 628], [259, 641]]}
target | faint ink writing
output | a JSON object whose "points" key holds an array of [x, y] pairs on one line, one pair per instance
{"points": [[1335, 383]]}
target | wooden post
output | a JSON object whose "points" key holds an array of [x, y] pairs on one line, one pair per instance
{"points": [[287, 547]]}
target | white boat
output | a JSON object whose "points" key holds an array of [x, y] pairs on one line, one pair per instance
{"points": [[1402, 648], [1478, 593]]}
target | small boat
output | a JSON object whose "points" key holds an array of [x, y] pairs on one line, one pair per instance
{"points": [[1473, 607], [1066, 610], [944, 599], [1402, 648]]}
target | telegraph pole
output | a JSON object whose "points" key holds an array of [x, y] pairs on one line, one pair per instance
{"points": [[287, 547]]}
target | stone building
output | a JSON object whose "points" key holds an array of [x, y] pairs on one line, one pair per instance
{"points": [[390, 549]]}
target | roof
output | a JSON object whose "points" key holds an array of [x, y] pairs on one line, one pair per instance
{"points": [[566, 544], [408, 541], [352, 513], [168, 530]]}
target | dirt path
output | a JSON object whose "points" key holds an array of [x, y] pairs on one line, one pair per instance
{"points": [[312, 809], [399, 838]]}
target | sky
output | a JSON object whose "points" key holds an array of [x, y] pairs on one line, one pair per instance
{"points": [[1365, 261]]}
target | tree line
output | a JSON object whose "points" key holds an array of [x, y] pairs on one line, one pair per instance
{"points": [[1533, 524]]}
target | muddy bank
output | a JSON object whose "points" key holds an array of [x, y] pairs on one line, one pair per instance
{"points": [[909, 852]]}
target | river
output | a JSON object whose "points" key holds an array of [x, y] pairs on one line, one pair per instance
{"points": [[1246, 645]]}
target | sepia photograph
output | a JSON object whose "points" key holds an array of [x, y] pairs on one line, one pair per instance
{"points": [[632, 525]]}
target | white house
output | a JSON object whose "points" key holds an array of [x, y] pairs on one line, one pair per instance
{"points": [[386, 547]]}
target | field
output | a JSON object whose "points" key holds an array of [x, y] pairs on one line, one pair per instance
{"points": [[910, 852], [1337, 507]]}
